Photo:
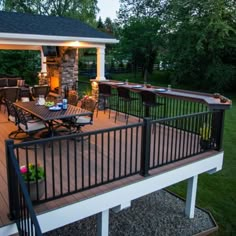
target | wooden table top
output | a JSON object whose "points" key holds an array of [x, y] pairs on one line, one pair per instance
{"points": [[43, 112]]}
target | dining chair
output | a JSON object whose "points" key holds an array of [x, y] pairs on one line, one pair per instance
{"points": [[40, 90], [27, 124], [124, 97], [88, 104], [10, 94], [12, 117], [73, 97]]}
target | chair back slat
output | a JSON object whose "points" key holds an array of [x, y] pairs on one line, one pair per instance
{"points": [[11, 110], [21, 117]]}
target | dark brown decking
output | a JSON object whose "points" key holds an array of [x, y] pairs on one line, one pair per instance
{"points": [[99, 123]]}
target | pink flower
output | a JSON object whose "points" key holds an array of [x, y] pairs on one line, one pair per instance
{"points": [[23, 169]]}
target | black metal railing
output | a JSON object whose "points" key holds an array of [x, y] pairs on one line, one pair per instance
{"points": [[21, 209], [175, 139], [171, 106], [78, 162], [82, 161]]}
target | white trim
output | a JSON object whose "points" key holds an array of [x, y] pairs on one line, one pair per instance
{"points": [[55, 38], [121, 196], [6, 44], [121, 207]]}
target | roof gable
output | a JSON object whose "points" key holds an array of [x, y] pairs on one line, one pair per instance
{"points": [[22, 23]]}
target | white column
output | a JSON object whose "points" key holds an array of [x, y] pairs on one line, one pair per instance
{"points": [[191, 196], [43, 64], [100, 63], [103, 223]]}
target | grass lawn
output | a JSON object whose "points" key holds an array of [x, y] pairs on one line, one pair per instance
{"points": [[216, 192]]}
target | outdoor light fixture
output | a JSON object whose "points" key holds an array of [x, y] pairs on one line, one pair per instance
{"points": [[74, 44]]}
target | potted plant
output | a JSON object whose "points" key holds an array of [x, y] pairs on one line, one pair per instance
{"points": [[205, 134], [34, 175]]}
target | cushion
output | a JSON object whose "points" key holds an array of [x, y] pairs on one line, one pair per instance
{"points": [[32, 126], [83, 120], [20, 82], [3, 82], [25, 99], [12, 82]]}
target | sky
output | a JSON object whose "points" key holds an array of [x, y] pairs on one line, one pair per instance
{"points": [[108, 8]]}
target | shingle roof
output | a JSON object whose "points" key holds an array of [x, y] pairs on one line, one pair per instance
{"points": [[22, 23]]}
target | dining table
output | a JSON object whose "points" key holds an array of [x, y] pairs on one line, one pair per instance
{"points": [[51, 114]]}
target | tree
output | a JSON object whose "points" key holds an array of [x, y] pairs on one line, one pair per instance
{"points": [[100, 24], [85, 10], [201, 42], [20, 63], [139, 34]]}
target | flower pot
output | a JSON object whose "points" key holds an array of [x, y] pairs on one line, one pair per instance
{"points": [[33, 189]]}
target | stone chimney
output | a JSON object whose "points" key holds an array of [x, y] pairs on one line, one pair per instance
{"points": [[64, 68]]}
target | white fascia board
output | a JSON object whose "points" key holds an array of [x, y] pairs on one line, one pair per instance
{"points": [[119, 196], [11, 44], [122, 195], [35, 37]]}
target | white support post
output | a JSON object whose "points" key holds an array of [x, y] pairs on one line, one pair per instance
{"points": [[100, 63], [43, 64], [103, 223], [191, 196]]}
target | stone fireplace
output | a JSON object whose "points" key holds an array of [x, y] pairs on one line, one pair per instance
{"points": [[62, 71]]}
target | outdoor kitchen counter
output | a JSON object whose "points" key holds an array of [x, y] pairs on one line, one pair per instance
{"points": [[213, 103]]}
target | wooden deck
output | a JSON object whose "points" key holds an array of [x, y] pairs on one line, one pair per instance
{"points": [[100, 122]]}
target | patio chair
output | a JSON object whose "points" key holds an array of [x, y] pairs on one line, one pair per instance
{"points": [[27, 124], [125, 97], [103, 97], [10, 94], [73, 97], [40, 90], [77, 122], [12, 117]]}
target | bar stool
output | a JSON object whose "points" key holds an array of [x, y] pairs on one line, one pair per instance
{"points": [[149, 101], [103, 97], [124, 96]]}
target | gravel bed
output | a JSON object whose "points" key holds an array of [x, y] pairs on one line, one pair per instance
{"points": [[159, 213]]}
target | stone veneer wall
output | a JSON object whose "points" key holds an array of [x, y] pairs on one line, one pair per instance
{"points": [[65, 68]]}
